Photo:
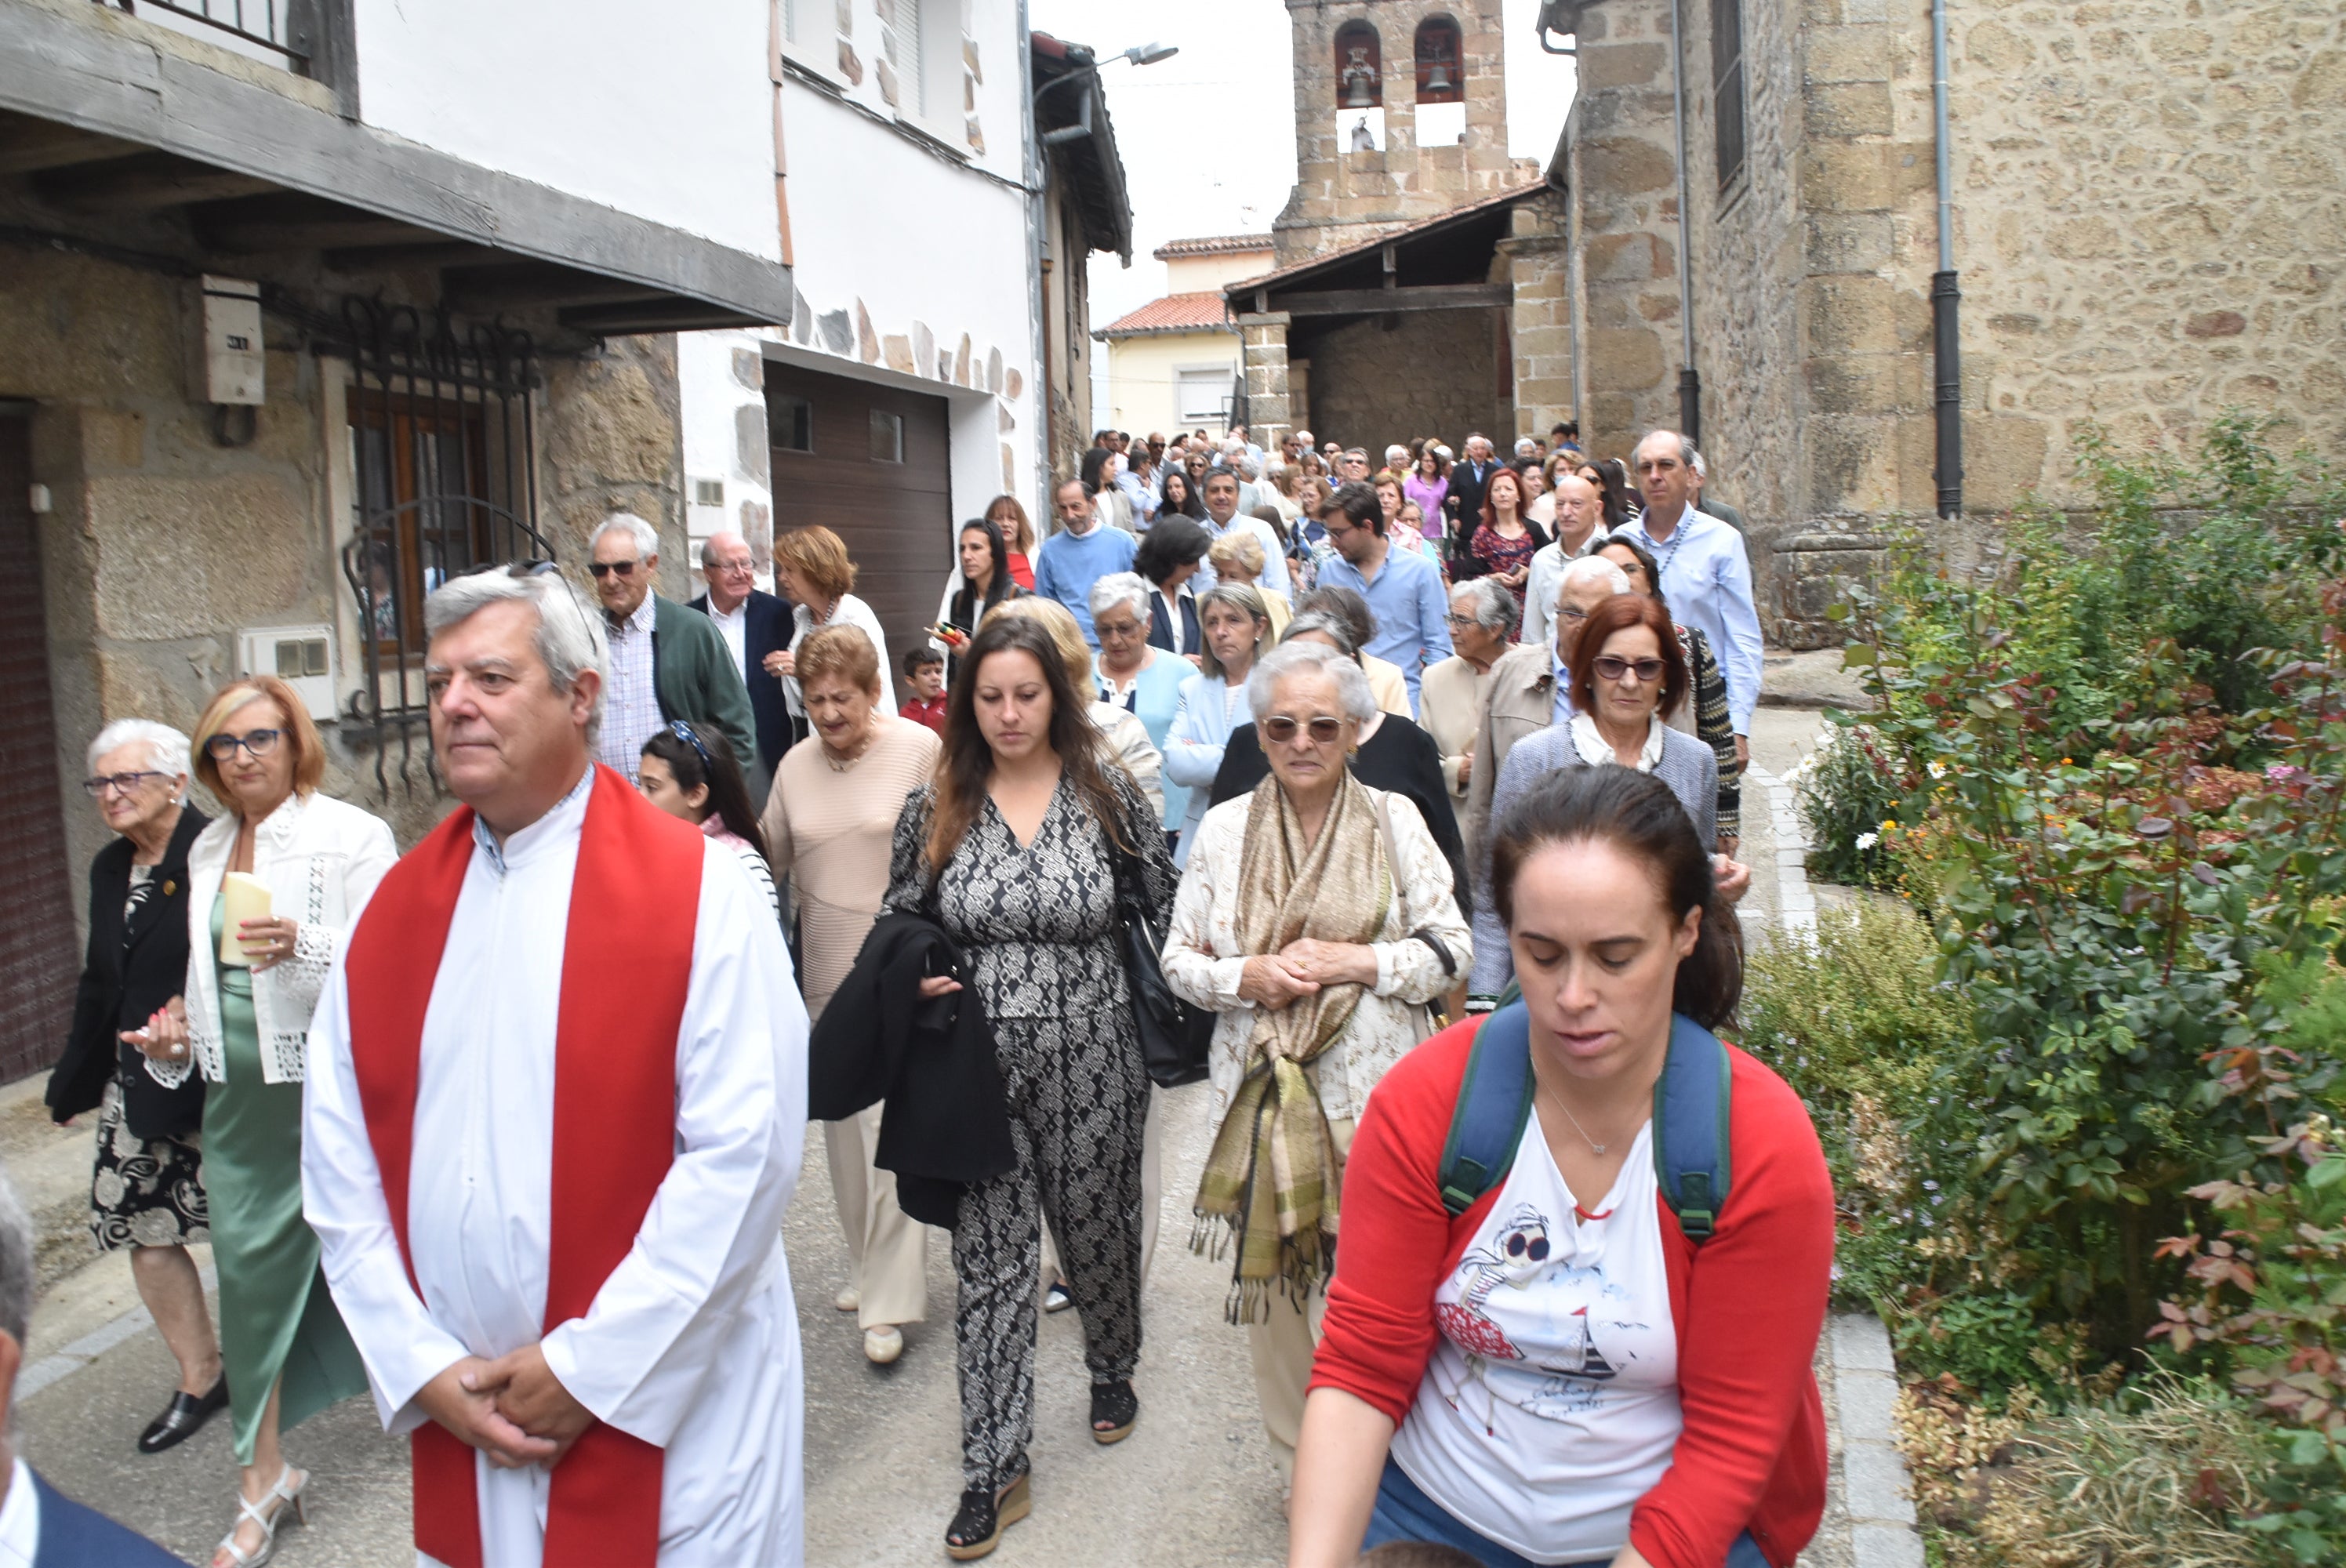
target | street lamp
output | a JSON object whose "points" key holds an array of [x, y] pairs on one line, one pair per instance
{"points": [[1086, 64]]}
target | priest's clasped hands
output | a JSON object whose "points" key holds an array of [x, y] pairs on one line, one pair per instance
{"points": [[513, 1409]]}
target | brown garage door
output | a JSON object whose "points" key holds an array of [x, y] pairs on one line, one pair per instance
{"points": [[870, 463], [36, 919]]}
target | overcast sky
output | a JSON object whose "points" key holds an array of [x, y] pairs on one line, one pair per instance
{"points": [[1209, 136]]}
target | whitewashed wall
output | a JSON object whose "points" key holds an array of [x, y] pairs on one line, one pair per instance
{"points": [[661, 110]]}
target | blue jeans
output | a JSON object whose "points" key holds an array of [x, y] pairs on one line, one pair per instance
{"points": [[1405, 1513]]}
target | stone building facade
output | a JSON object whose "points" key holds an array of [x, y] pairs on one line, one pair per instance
{"points": [[2147, 218], [1423, 279]]}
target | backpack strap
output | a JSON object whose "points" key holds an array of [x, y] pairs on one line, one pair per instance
{"points": [[1692, 1101], [1495, 1102]]}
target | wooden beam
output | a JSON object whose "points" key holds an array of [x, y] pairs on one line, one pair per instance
{"points": [[145, 182], [1377, 302], [671, 314], [486, 289], [28, 146]]}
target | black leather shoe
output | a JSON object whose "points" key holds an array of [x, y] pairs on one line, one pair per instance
{"points": [[182, 1418]]}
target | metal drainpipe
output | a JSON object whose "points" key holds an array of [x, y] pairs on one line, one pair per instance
{"points": [[1946, 345], [1690, 379], [1038, 376]]}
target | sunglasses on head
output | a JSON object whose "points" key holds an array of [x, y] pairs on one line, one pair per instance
{"points": [[605, 568], [1280, 728], [1611, 666]]}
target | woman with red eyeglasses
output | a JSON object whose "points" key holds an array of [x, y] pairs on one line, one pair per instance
{"points": [[1316, 917]]}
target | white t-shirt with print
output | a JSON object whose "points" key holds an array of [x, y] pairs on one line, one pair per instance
{"points": [[1550, 1404]]}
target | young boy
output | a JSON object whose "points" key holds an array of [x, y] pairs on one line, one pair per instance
{"points": [[924, 674]]}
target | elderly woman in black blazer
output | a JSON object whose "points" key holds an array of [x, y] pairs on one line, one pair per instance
{"points": [[146, 1192]]}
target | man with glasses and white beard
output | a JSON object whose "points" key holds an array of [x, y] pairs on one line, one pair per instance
{"points": [[667, 661]]}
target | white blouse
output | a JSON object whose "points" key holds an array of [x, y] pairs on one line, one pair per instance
{"points": [[1204, 963], [322, 859]]}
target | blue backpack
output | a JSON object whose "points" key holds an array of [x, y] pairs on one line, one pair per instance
{"points": [[1691, 1102]]}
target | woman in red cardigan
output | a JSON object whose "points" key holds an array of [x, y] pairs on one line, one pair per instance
{"points": [[1559, 1375]]}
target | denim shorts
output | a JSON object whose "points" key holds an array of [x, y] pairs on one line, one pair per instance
{"points": [[1405, 1513]]}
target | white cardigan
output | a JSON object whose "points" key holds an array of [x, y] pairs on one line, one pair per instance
{"points": [[322, 859], [1204, 963]]}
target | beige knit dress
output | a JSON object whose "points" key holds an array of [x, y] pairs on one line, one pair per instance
{"points": [[829, 829]]}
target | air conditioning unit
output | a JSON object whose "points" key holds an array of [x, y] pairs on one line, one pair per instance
{"points": [[300, 656]]}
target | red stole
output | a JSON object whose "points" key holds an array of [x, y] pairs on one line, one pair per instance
{"points": [[627, 965]]}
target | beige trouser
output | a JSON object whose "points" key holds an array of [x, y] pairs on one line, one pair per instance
{"points": [[1282, 1347], [887, 1251], [1152, 1193]]}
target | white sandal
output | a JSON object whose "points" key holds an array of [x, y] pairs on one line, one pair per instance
{"points": [[269, 1522]]}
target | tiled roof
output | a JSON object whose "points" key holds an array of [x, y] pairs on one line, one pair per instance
{"points": [[1404, 231], [1173, 313], [1212, 245]]}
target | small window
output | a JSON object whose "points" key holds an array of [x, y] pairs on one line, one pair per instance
{"points": [[912, 57], [1360, 67], [1441, 68], [709, 492], [1727, 85], [790, 424], [887, 437], [1203, 395]]}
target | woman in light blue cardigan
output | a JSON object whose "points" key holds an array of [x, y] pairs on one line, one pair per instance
{"points": [[1236, 625], [1144, 681]]}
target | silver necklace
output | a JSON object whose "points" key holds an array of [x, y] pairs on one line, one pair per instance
{"points": [[1557, 1101]]}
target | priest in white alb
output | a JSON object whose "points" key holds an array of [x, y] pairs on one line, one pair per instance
{"points": [[556, 1093]]}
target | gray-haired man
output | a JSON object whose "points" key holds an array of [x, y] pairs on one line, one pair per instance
{"points": [[667, 661]]}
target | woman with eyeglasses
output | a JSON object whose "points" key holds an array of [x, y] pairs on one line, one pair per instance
{"points": [[1453, 692], [147, 1189], [690, 773], [828, 824], [1704, 713], [1317, 919], [244, 1019]]}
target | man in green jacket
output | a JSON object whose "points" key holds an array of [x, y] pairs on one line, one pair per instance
{"points": [[667, 661]]}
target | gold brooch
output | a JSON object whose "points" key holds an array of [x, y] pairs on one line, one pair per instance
{"points": [[170, 887]]}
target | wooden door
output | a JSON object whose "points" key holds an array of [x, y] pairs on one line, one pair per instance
{"points": [[870, 463], [37, 918]]}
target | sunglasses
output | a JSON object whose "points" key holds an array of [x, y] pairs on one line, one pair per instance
{"points": [[1282, 728], [1533, 1247], [605, 568], [1610, 666]]}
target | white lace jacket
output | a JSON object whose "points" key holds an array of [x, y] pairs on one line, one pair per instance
{"points": [[1203, 962], [321, 859]]}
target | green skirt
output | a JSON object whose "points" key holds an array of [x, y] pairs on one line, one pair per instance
{"points": [[277, 1320]]}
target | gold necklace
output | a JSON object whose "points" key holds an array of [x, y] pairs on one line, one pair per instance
{"points": [[838, 764]]}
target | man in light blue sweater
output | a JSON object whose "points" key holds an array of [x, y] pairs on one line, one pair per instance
{"points": [[1084, 551]]}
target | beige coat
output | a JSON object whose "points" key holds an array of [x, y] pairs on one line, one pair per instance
{"points": [[1520, 700]]}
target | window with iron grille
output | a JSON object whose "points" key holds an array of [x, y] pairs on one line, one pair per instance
{"points": [[1727, 85], [443, 482]]}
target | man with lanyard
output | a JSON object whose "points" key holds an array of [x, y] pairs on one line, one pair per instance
{"points": [[1706, 572]]}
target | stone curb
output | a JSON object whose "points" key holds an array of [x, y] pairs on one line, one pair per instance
{"points": [[1875, 1488], [54, 1368]]}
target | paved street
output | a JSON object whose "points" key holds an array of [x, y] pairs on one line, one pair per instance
{"points": [[1194, 1484]]}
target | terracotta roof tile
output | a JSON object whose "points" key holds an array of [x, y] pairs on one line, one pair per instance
{"points": [[1173, 313], [1212, 245]]}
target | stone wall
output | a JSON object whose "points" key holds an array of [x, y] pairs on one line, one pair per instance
{"points": [[161, 544], [1434, 373], [1621, 167], [1341, 196], [1537, 255]]}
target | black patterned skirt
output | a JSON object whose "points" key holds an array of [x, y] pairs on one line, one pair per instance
{"points": [[145, 1191]]}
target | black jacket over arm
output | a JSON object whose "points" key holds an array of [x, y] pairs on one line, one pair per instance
{"points": [[769, 628], [947, 1125], [123, 981], [1399, 758]]}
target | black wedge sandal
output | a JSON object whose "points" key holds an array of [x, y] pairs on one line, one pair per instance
{"points": [[976, 1530], [1115, 1408]]}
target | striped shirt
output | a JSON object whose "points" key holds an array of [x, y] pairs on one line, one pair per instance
{"points": [[631, 710]]}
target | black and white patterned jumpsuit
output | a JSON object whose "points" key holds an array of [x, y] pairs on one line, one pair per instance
{"points": [[1038, 925]]}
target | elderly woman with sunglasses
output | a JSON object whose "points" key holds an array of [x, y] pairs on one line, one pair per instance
{"points": [[244, 1018], [1317, 918], [1627, 670]]}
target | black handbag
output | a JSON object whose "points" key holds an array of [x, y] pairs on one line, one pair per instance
{"points": [[1175, 1037]]}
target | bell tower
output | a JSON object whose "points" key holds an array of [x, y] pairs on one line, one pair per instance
{"points": [[1401, 114]]}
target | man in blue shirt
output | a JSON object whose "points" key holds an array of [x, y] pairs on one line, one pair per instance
{"points": [[1084, 551], [1706, 572], [1404, 588]]}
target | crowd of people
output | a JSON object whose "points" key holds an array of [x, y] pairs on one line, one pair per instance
{"points": [[1353, 788]]}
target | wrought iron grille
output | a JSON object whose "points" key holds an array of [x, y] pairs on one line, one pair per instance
{"points": [[443, 464], [280, 27], [1727, 85]]}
